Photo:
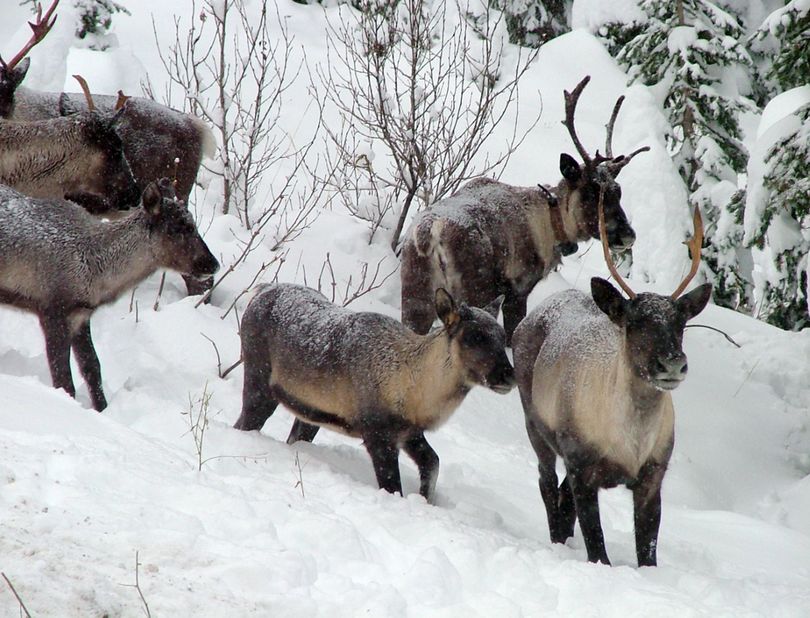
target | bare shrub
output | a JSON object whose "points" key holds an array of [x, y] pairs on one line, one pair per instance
{"points": [[429, 82]]}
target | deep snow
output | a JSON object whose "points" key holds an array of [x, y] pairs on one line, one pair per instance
{"points": [[271, 530]]}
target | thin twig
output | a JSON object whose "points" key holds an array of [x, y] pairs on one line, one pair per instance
{"points": [[231, 368], [263, 457], [300, 474], [137, 586], [748, 375], [726, 335], [160, 291], [17, 596], [216, 350]]}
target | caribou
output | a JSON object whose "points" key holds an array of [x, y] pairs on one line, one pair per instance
{"points": [[78, 157], [158, 141], [595, 375], [491, 238], [61, 263], [365, 374]]}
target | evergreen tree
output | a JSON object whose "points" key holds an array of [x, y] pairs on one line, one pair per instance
{"points": [[784, 40], [778, 215], [781, 230], [95, 19], [682, 50], [533, 22]]}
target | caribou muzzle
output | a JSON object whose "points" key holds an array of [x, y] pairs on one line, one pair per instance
{"points": [[670, 371], [502, 378]]}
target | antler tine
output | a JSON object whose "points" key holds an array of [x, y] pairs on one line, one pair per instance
{"points": [[606, 250], [571, 99], [121, 100], [619, 162], [83, 83], [41, 28], [609, 126], [694, 244]]}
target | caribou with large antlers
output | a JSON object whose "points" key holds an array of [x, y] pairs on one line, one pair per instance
{"points": [[595, 374], [13, 72], [491, 238]]}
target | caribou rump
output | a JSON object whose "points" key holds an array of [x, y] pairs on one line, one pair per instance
{"points": [[492, 239]]}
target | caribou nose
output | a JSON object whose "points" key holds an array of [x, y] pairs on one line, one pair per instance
{"points": [[621, 238], [628, 239], [502, 378], [674, 366]]}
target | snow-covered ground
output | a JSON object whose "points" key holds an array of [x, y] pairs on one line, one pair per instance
{"points": [[268, 529]]}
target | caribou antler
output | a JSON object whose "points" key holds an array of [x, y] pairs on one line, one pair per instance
{"points": [[694, 244], [606, 249], [609, 127], [616, 164], [83, 83], [571, 100], [41, 27]]}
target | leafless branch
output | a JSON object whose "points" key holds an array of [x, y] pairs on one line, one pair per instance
{"points": [[216, 351], [17, 596], [425, 91], [137, 586]]}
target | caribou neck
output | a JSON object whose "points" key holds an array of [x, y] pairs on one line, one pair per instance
{"points": [[120, 255], [646, 398], [435, 383], [571, 213]]}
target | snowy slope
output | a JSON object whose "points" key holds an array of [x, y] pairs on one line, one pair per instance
{"points": [[267, 529]]}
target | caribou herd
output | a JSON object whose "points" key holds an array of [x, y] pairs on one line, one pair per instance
{"points": [[594, 371]]}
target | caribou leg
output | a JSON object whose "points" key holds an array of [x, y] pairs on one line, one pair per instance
{"points": [[514, 310], [57, 348], [426, 460], [302, 432], [380, 442], [647, 512], [586, 500], [89, 365], [258, 403]]}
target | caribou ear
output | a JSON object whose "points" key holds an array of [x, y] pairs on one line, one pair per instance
{"points": [[494, 308], [608, 299], [569, 168], [18, 72], [152, 199], [446, 310], [66, 106], [695, 301]]}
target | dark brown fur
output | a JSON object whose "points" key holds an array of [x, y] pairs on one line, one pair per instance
{"points": [[492, 239]]}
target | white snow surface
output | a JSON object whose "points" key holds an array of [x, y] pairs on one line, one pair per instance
{"points": [[266, 529]]}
